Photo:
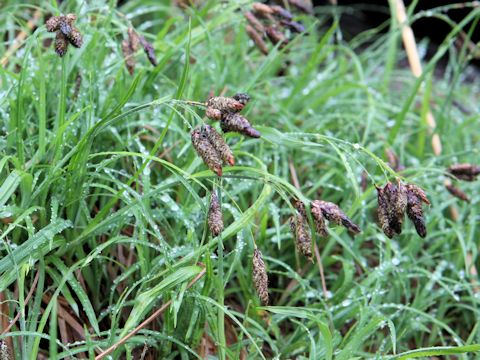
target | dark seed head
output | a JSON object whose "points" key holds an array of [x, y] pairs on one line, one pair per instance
{"points": [[281, 12], [254, 22], [319, 219], [333, 213], [65, 27], [260, 277], [415, 197], [128, 55], [219, 144], [215, 218], [276, 36], [264, 11], [392, 203], [301, 234], [465, 172], [393, 160], [213, 114], [133, 39], [207, 152], [225, 104], [242, 98], [75, 37], [294, 26], [257, 39], [61, 44], [233, 122], [53, 23], [4, 351], [457, 192], [148, 48]]}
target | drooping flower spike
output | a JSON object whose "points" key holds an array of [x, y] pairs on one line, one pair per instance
{"points": [[260, 277], [465, 172], [333, 214], [457, 192], [301, 234], [396, 199], [207, 152], [215, 217]]}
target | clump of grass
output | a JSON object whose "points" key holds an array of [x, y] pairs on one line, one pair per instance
{"points": [[106, 245]]}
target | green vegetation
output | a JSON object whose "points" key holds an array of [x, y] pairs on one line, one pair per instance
{"points": [[104, 201]]}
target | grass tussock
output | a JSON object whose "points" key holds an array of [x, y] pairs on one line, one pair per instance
{"points": [[142, 216]]}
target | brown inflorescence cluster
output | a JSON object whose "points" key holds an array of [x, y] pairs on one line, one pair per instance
{"points": [[465, 172], [322, 211], [396, 199], [260, 277], [65, 32], [212, 148], [393, 160], [131, 44], [461, 172], [215, 217], [457, 192], [301, 234], [226, 110], [268, 22]]}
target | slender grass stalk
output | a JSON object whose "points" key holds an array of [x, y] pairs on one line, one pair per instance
{"points": [[220, 285]]}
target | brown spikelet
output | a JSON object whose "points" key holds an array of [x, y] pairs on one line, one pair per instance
{"points": [[224, 104], [219, 144], [260, 277], [75, 37], [302, 5], [319, 219], [400, 204], [281, 12], [70, 18], [384, 212], [416, 196], [53, 23], [457, 192], [264, 11], [294, 26], [299, 206], [333, 213], [465, 172], [64, 26], [276, 36], [207, 152], [215, 217], [213, 114], [254, 22], [364, 181], [393, 160], [133, 39], [233, 122], [148, 48], [242, 98], [301, 234], [61, 44], [4, 351], [257, 39], [392, 203], [128, 55]]}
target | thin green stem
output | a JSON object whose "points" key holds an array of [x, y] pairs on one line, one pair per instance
{"points": [[221, 295]]}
